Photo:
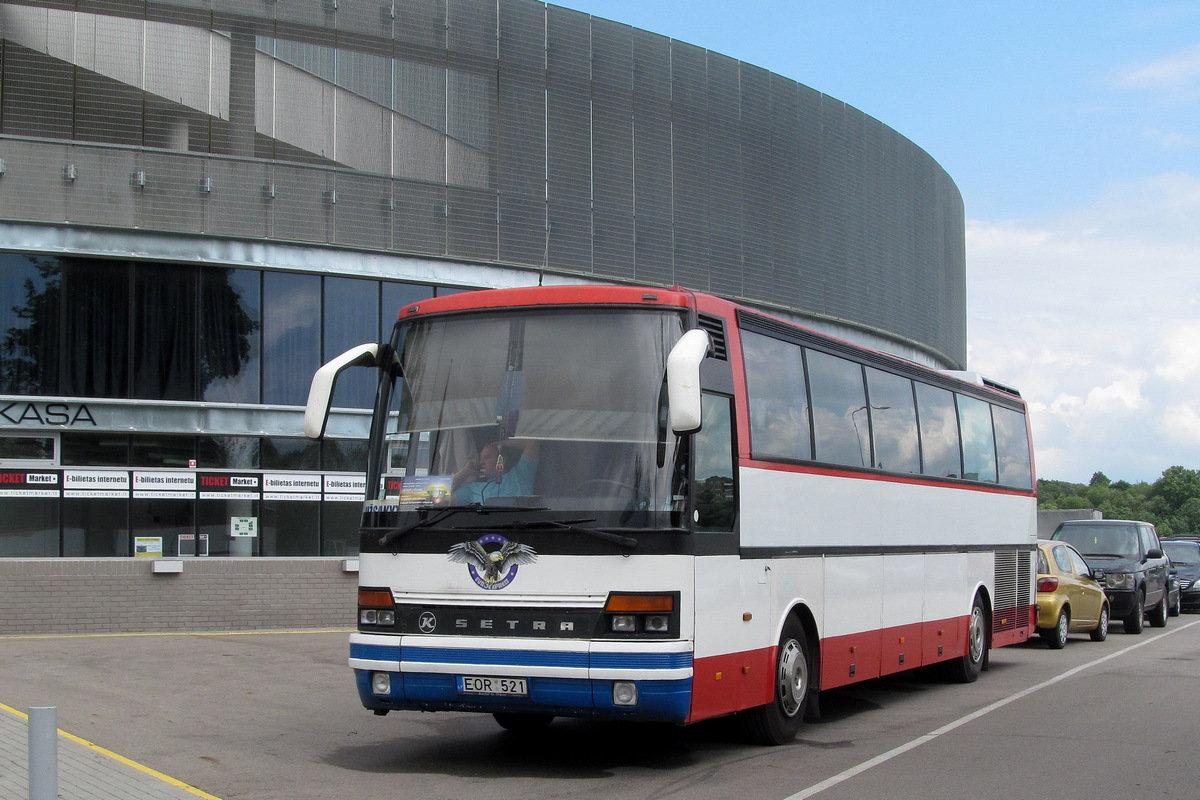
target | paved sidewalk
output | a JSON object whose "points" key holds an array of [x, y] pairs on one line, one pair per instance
{"points": [[85, 771]]}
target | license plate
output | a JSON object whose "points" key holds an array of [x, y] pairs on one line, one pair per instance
{"points": [[482, 684]]}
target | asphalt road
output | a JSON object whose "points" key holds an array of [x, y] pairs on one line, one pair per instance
{"points": [[275, 715]]}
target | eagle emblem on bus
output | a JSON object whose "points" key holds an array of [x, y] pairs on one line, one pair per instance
{"points": [[492, 569]]}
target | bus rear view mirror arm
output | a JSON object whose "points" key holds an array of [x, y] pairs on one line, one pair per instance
{"points": [[320, 393], [683, 380]]}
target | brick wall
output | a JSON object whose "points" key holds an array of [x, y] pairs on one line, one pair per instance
{"points": [[122, 595]]}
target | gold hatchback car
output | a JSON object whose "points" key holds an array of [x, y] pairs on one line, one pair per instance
{"points": [[1069, 599]]}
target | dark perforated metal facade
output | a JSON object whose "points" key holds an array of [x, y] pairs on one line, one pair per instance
{"points": [[505, 132]]}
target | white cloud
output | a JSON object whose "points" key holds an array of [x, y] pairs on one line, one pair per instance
{"points": [[1170, 72], [1182, 422], [1169, 139], [1093, 316], [1181, 347]]}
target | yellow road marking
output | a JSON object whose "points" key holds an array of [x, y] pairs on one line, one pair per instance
{"points": [[122, 759]]}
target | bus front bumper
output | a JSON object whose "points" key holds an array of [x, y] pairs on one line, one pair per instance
{"points": [[645, 680]]}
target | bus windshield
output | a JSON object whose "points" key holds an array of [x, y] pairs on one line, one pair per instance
{"points": [[550, 411]]}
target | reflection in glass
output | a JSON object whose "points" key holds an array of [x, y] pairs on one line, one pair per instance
{"points": [[284, 453], [29, 324], [587, 387], [893, 422], [228, 452], [291, 331], [94, 449], [230, 334], [939, 432], [779, 425], [978, 441], [840, 426], [715, 494], [150, 450], [351, 318], [1012, 448]]}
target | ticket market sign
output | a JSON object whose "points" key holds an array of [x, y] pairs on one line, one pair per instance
{"points": [[30, 483], [154, 485], [95, 483]]}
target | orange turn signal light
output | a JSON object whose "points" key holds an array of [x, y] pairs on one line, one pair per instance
{"points": [[627, 603], [376, 598]]}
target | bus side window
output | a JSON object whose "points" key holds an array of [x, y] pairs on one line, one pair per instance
{"points": [[715, 490]]}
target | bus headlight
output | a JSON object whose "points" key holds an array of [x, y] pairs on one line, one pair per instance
{"points": [[642, 614], [625, 693]]}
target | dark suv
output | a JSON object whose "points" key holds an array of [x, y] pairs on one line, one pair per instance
{"points": [[1135, 569]]}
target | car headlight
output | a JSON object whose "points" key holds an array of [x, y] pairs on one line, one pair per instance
{"points": [[1119, 580]]}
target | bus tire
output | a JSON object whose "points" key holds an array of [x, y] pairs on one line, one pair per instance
{"points": [[779, 721], [966, 668], [523, 723]]}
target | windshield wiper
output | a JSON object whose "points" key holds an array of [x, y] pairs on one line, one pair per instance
{"points": [[570, 525], [446, 511]]}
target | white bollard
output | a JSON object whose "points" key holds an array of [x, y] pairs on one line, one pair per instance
{"points": [[43, 753]]}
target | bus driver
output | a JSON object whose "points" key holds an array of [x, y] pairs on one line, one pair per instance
{"points": [[490, 476]]}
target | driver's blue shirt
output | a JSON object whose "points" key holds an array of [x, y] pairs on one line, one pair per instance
{"points": [[515, 483]]}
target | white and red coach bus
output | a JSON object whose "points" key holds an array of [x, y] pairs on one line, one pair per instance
{"points": [[653, 504]]}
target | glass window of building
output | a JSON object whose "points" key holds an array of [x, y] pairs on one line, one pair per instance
{"points": [[284, 453], [29, 324], [228, 452], [95, 526], [164, 331], [395, 297], [291, 527], [351, 318], [94, 449], [162, 450], [291, 339], [29, 527], [95, 328], [230, 335]]}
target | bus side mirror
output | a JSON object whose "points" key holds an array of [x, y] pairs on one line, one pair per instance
{"points": [[320, 393], [683, 380]]}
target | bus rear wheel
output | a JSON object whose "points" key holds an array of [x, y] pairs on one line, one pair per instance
{"points": [[779, 721], [966, 668]]}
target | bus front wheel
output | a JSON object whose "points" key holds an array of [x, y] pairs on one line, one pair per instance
{"points": [[779, 721]]}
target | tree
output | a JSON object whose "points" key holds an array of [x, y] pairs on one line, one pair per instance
{"points": [[1176, 486]]}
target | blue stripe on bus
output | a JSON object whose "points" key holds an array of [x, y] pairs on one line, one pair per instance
{"points": [[658, 701], [375, 652], [516, 658]]}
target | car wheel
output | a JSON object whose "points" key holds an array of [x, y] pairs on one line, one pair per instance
{"points": [[1101, 631], [1177, 607], [1056, 637], [1136, 618], [966, 668], [779, 721], [1158, 614]]}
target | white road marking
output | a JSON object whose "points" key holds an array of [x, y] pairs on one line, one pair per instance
{"points": [[858, 769]]}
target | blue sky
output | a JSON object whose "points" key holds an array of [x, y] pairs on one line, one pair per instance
{"points": [[1072, 130]]}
